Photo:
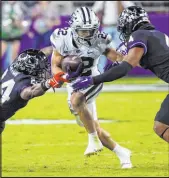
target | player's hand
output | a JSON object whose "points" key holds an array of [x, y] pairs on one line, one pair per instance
{"points": [[82, 83], [57, 80], [110, 64], [72, 75]]}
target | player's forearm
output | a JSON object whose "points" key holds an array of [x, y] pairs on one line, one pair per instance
{"points": [[113, 73], [33, 91], [113, 55], [56, 69], [38, 90], [56, 63]]}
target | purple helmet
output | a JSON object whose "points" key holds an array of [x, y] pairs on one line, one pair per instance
{"points": [[129, 20]]}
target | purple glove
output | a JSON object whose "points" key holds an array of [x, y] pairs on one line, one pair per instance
{"points": [[82, 83], [72, 75], [110, 64]]}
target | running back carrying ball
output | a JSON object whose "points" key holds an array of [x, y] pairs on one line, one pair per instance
{"points": [[71, 64]]}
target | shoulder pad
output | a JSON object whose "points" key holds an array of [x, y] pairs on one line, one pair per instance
{"points": [[105, 37], [57, 38]]}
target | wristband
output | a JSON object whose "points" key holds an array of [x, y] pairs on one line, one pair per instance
{"points": [[45, 86]]}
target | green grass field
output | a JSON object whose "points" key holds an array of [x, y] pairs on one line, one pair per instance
{"points": [[137, 80], [57, 150]]}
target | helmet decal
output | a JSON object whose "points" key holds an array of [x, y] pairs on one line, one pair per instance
{"points": [[129, 19], [84, 25], [32, 62]]}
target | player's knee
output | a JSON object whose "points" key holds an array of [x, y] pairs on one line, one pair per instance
{"points": [[78, 121], [77, 99], [159, 128], [2, 126], [156, 127]]}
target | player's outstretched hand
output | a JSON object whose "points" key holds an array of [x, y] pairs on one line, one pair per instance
{"points": [[72, 75], [57, 80], [82, 83]]}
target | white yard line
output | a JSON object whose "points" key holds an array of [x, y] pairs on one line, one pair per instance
{"points": [[45, 122], [127, 88]]}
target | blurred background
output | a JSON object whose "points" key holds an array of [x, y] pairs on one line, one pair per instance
{"points": [[43, 138], [29, 24]]}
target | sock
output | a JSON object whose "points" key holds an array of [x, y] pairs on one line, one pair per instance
{"points": [[117, 148], [121, 154], [92, 137]]}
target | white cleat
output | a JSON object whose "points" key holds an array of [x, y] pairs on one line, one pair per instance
{"points": [[125, 159], [126, 166], [93, 149]]}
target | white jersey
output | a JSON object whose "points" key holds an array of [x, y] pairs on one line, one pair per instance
{"points": [[62, 41]]}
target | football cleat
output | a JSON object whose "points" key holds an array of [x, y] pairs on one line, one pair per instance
{"points": [[125, 159], [94, 148]]}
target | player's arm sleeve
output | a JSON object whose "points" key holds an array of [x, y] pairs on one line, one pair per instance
{"points": [[138, 39], [113, 73]]}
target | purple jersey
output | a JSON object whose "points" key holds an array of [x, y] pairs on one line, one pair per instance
{"points": [[156, 51], [12, 83]]}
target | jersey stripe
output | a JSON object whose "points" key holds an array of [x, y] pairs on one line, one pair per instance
{"points": [[94, 92]]}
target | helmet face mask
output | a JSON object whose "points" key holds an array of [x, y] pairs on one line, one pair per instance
{"points": [[86, 33], [84, 24], [129, 20], [34, 63]]}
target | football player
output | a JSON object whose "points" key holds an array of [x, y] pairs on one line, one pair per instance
{"points": [[27, 77], [83, 39], [146, 47]]}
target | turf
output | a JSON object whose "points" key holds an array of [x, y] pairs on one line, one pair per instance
{"points": [[137, 80], [57, 150]]}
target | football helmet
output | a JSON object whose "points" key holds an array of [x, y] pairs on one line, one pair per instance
{"points": [[33, 62], [129, 20], [84, 25]]}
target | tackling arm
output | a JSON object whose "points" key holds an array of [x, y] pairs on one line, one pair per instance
{"points": [[32, 91], [113, 55], [131, 60], [40, 88]]}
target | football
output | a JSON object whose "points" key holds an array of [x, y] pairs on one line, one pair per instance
{"points": [[72, 61]]}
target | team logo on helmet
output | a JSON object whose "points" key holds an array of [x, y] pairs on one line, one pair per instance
{"points": [[33, 62], [84, 24], [129, 19]]}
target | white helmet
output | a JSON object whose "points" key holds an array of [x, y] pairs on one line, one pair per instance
{"points": [[84, 24]]}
